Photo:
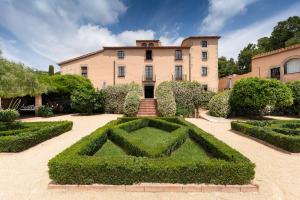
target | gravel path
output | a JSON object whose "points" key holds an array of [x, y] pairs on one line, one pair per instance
{"points": [[24, 175]]}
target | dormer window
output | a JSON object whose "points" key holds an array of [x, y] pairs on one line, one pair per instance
{"points": [[120, 54], [144, 44], [151, 44]]}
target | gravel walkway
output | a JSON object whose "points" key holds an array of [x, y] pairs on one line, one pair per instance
{"points": [[24, 175]]}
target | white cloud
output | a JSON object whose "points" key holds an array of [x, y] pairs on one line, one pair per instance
{"points": [[232, 42], [220, 11], [165, 40]]}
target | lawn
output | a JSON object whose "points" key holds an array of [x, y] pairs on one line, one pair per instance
{"points": [[18, 136], [284, 134], [162, 150]]}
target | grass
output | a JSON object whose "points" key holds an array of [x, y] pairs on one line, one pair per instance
{"points": [[110, 149]]}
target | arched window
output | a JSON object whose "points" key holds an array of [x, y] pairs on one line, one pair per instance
{"points": [[144, 44], [151, 44], [292, 66]]}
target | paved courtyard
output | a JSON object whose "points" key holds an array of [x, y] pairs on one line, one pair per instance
{"points": [[24, 175]]}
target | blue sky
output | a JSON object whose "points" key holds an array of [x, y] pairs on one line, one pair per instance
{"points": [[43, 32]]}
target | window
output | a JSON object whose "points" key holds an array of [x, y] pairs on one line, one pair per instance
{"points": [[204, 55], [149, 73], [275, 73], [178, 55], [148, 55], [84, 71], [204, 71], [292, 66], [121, 71], [151, 44], [204, 43], [205, 87], [144, 44], [178, 72], [121, 54]]}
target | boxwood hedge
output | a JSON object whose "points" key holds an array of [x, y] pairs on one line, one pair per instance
{"points": [[18, 136], [77, 165], [283, 134]]}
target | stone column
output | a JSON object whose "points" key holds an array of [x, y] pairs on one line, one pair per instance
{"points": [[38, 103]]}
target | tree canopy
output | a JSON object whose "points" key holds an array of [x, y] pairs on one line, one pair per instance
{"points": [[227, 67]]}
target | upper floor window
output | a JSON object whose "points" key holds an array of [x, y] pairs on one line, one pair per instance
{"points": [[148, 73], [292, 66], [151, 44], [204, 71], [178, 55], [144, 44], [121, 71], [204, 43], [84, 71], [204, 55], [178, 72], [148, 54], [121, 54]]}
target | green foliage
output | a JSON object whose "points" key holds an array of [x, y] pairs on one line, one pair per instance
{"points": [[16, 80], [28, 134], [227, 67], [166, 104], [115, 96], [51, 70], [77, 165], [258, 94], [9, 115], [205, 98], [132, 102], [282, 134], [245, 57], [88, 101], [45, 111], [219, 105]]}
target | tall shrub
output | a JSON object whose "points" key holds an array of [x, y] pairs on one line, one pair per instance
{"points": [[166, 104], [255, 94], [8, 115], [132, 102], [295, 87], [219, 105]]}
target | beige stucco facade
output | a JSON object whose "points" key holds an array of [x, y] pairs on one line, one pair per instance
{"points": [[263, 64], [102, 66]]}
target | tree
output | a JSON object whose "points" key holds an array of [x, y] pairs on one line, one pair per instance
{"points": [[51, 70], [259, 94], [294, 40], [263, 44], [227, 67], [284, 31], [245, 57]]}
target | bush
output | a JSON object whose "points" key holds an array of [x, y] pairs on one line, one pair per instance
{"points": [[257, 94], [45, 111], [9, 115], [295, 87], [30, 134], [272, 132], [205, 98], [166, 104], [115, 96], [219, 105], [132, 102], [88, 101]]}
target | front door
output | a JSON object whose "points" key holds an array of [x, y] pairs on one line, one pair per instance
{"points": [[149, 91]]}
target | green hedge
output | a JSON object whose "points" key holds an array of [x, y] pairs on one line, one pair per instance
{"points": [[27, 134], [77, 165], [132, 103], [166, 104], [272, 132], [219, 105]]}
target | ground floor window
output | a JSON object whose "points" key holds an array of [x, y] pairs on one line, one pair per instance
{"points": [[292, 66], [121, 71], [275, 73]]}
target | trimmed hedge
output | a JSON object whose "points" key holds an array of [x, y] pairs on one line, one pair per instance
{"points": [[27, 134], [9, 115], [132, 103], [166, 104], [273, 132], [77, 165]]}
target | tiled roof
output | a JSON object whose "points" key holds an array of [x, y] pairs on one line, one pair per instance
{"points": [[296, 46]]}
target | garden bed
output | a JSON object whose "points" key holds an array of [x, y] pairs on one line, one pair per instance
{"points": [[18, 136], [150, 150], [284, 134]]}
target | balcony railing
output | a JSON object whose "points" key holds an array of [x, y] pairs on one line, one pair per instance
{"points": [[150, 78], [179, 77]]}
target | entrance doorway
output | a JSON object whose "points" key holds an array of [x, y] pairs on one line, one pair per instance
{"points": [[149, 91]]}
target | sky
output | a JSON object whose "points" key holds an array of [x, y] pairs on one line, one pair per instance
{"points": [[39, 33]]}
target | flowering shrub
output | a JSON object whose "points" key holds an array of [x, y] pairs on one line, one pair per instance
{"points": [[132, 102], [166, 104], [219, 104]]}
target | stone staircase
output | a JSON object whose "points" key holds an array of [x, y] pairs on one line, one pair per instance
{"points": [[147, 107]]}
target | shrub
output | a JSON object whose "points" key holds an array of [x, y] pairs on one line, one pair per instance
{"points": [[295, 87], [132, 102], [219, 105], [166, 104], [115, 96], [45, 111], [30, 134], [88, 101], [256, 94], [9, 115], [272, 132], [76, 165], [205, 98]]}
